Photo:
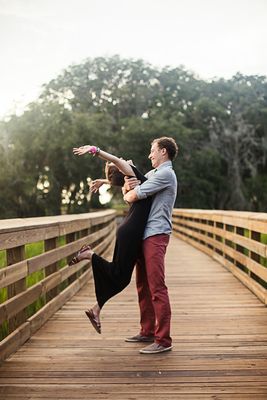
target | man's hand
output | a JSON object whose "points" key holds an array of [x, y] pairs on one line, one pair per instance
{"points": [[129, 195]]}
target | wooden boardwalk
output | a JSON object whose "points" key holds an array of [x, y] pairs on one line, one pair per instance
{"points": [[219, 331]]}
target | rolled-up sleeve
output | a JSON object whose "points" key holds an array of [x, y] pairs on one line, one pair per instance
{"points": [[159, 181]]}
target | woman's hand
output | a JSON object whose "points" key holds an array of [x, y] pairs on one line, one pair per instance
{"points": [[96, 184], [130, 183], [79, 151]]}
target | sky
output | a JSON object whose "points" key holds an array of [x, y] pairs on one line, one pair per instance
{"points": [[213, 38]]}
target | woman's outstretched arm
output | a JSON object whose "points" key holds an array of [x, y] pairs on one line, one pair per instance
{"points": [[121, 164]]}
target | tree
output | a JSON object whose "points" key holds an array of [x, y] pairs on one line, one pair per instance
{"points": [[121, 105]]}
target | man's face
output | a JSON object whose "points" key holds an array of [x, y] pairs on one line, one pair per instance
{"points": [[156, 156]]}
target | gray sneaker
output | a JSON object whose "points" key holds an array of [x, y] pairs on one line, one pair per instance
{"points": [[140, 338], [154, 348]]}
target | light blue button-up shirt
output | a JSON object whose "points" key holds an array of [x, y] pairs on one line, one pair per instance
{"points": [[161, 183]]}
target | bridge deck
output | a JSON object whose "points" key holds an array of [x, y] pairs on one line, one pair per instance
{"points": [[219, 332]]}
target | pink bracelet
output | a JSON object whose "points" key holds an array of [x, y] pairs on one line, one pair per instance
{"points": [[94, 150]]}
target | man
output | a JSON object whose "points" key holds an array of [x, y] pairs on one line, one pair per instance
{"points": [[153, 296]]}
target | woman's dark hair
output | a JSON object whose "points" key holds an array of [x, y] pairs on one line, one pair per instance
{"points": [[115, 177], [169, 144]]}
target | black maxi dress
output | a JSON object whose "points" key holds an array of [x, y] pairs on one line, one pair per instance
{"points": [[110, 278]]}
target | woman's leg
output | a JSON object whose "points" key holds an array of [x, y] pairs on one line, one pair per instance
{"points": [[94, 312]]}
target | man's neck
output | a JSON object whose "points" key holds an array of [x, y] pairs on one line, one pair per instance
{"points": [[163, 162]]}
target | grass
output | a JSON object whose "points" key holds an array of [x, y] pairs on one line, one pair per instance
{"points": [[3, 292], [2, 258], [264, 240], [3, 296], [32, 250]]}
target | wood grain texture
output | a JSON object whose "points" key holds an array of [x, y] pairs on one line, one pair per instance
{"points": [[234, 238], [219, 331], [42, 228], [98, 229]]}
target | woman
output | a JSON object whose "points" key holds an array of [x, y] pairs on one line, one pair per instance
{"points": [[112, 277]]}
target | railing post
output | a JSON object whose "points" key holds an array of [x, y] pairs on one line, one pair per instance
{"points": [[15, 255]]}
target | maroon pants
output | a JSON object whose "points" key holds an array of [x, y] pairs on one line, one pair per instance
{"points": [[152, 292]]}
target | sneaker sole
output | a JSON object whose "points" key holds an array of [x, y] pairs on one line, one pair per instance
{"points": [[142, 351], [139, 341]]}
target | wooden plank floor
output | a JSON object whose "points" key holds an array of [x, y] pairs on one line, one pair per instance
{"points": [[219, 332]]}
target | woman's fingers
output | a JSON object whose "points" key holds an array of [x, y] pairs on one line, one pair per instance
{"points": [[94, 186], [79, 150], [131, 183]]}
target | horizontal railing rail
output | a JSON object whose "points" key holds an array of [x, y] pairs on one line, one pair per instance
{"points": [[238, 240], [35, 278]]}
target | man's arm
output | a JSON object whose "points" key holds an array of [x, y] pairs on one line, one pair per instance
{"points": [[130, 197], [159, 181], [128, 193]]}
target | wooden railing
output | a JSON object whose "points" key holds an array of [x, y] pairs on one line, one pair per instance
{"points": [[236, 239], [33, 288]]}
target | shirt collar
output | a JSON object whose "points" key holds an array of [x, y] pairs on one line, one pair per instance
{"points": [[164, 165]]}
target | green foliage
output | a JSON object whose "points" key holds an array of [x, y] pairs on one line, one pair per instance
{"points": [[121, 105], [2, 258]]}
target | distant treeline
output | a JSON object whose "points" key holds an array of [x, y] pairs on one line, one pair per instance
{"points": [[121, 105]]}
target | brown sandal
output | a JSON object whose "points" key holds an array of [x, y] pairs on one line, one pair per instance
{"points": [[96, 324], [75, 259]]}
